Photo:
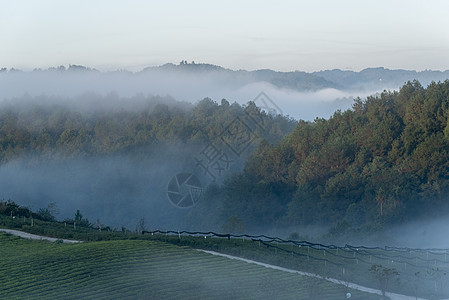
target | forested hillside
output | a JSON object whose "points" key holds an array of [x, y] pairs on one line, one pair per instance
{"points": [[93, 125], [112, 157], [385, 161]]}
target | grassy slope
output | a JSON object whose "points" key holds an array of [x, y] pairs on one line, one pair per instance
{"points": [[139, 269]]}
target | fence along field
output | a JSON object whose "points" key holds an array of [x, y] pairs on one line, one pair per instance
{"points": [[144, 269], [422, 272]]}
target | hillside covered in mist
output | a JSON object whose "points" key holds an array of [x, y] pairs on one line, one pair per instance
{"points": [[112, 157], [300, 95], [93, 125], [384, 162]]}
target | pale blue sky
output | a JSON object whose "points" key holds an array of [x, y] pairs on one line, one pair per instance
{"points": [[281, 35]]}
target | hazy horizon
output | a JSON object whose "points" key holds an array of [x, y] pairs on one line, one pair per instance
{"points": [[306, 36], [145, 67]]}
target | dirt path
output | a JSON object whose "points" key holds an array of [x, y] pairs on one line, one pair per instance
{"points": [[27, 235], [393, 296]]}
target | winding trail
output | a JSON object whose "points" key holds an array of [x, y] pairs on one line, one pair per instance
{"points": [[393, 296], [30, 236]]}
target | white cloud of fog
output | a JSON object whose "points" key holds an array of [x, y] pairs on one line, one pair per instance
{"points": [[117, 189], [299, 105], [429, 233], [181, 86]]}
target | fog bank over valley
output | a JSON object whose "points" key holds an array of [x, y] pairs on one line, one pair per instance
{"points": [[300, 95], [111, 144]]}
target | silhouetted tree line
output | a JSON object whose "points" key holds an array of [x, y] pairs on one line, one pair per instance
{"points": [[10, 208]]}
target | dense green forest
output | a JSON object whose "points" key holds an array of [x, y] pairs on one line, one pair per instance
{"points": [[93, 125], [385, 161]]}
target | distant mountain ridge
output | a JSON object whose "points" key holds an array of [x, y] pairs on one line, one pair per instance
{"points": [[379, 77], [370, 79], [296, 80]]}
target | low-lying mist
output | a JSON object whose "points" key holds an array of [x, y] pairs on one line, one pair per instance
{"points": [[118, 190], [425, 233], [113, 157], [183, 86]]}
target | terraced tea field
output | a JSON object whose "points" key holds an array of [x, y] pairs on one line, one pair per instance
{"points": [[144, 269]]}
